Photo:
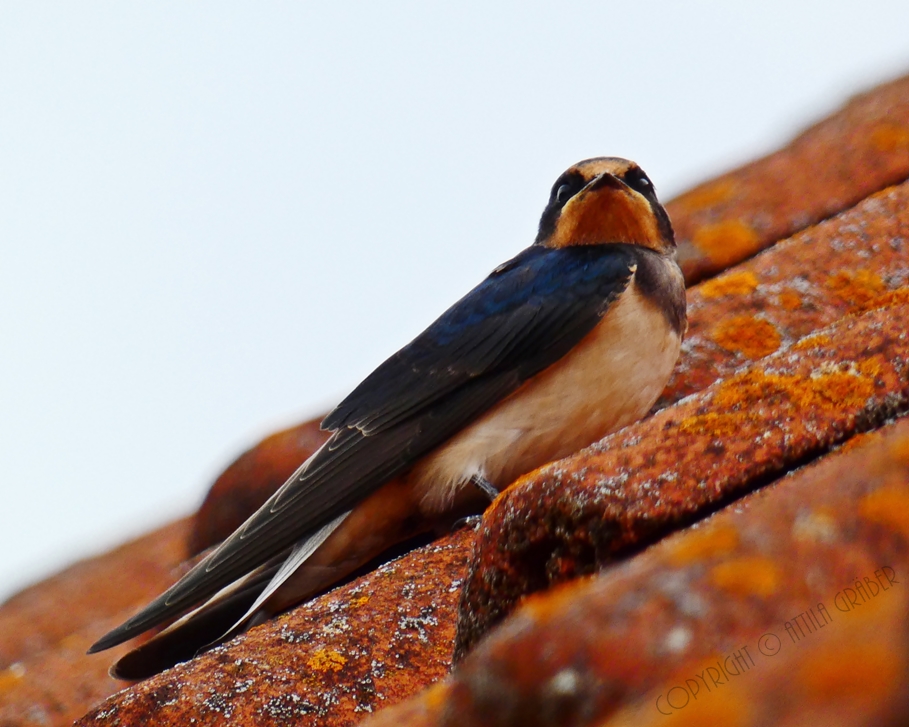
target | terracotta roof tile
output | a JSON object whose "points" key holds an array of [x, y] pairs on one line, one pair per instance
{"points": [[331, 661], [788, 609], [45, 676], [843, 265]]}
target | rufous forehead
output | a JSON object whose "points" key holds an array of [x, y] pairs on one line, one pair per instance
{"points": [[595, 167]]}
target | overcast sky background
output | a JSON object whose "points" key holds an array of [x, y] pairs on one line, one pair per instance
{"points": [[215, 218]]}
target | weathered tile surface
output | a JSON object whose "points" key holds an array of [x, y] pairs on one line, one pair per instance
{"points": [[45, 676], [789, 608], [331, 661], [841, 266]]}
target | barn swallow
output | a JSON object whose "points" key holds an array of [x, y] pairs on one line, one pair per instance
{"points": [[572, 339]]}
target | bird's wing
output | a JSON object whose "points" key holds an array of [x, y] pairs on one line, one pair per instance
{"points": [[524, 317]]}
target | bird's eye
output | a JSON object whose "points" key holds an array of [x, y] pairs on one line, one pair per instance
{"points": [[566, 187], [638, 181], [563, 193]]}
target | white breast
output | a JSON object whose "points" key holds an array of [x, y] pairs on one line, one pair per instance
{"points": [[607, 381]]}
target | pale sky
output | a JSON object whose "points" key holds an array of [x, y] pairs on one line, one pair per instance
{"points": [[216, 218]]}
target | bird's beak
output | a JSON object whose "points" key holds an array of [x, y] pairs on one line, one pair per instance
{"points": [[605, 211]]}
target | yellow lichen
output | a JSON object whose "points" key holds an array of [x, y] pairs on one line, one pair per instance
{"points": [[826, 389], [749, 575], [887, 506], [837, 389], [900, 296], [890, 137], [857, 288], [358, 601], [750, 336], [727, 242], [706, 195], [790, 300], [814, 340], [703, 543], [326, 660], [712, 424], [736, 283]]}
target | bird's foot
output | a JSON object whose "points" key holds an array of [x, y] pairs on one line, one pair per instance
{"points": [[471, 521], [486, 486]]}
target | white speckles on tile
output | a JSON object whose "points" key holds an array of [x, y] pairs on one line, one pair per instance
{"points": [[677, 640], [566, 683], [815, 526]]}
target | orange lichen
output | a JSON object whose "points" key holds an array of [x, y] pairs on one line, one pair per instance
{"points": [[888, 299], [790, 300], [750, 336], [326, 660], [727, 242], [858, 287], [838, 388], [11, 676], [864, 671], [813, 340], [701, 544], [825, 389], [707, 195], [359, 601], [888, 506], [750, 387], [730, 707], [735, 283], [750, 575], [890, 137], [712, 424]]}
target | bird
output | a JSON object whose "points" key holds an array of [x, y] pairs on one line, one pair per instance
{"points": [[572, 339]]}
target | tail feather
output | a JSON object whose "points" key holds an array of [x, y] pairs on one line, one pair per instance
{"points": [[300, 553], [198, 631], [226, 614]]}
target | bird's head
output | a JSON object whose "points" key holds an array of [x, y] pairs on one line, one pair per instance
{"points": [[605, 200]]}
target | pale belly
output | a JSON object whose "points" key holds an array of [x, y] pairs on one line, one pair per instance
{"points": [[609, 380]]}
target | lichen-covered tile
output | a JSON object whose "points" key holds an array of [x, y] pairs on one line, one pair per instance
{"points": [[331, 661], [844, 265], [789, 608]]}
